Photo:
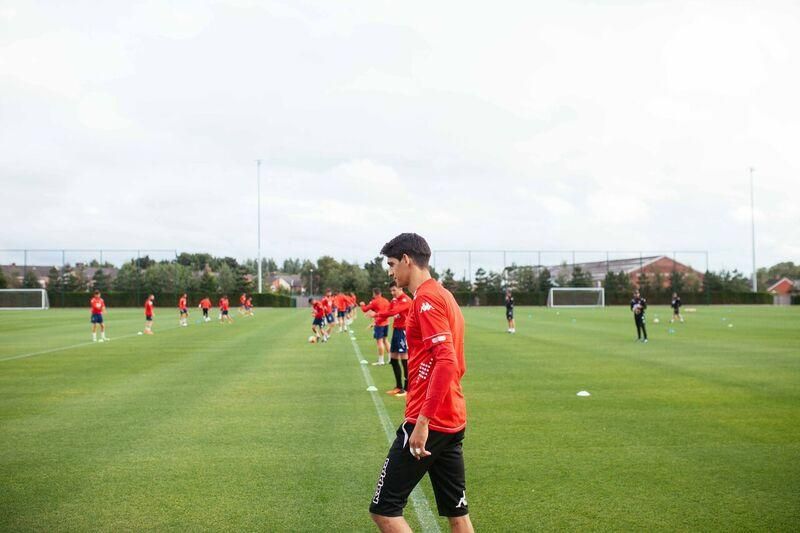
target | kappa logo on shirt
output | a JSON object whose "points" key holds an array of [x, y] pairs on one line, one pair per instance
{"points": [[425, 307], [462, 501]]}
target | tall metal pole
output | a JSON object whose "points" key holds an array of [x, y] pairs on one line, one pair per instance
{"points": [[753, 228], [258, 178]]}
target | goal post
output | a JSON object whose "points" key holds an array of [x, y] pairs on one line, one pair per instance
{"points": [[576, 297], [23, 299]]}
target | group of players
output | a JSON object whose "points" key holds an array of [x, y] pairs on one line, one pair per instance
{"points": [[98, 308], [380, 310]]}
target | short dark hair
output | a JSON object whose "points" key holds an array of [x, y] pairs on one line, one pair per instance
{"points": [[96, 293], [392, 284], [410, 244], [310, 300], [376, 291]]}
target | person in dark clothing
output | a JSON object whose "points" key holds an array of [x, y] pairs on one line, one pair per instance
{"points": [[638, 306], [510, 312], [676, 307]]}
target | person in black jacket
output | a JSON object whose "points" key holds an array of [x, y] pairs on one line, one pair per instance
{"points": [[676, 307], [638, 306]]}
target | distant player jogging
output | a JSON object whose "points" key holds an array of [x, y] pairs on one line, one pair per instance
{"points": [[183, 309], [676, 307], [248, 307], [98, 307], [510, 312], [149, 304], [638, 306], [224, 310], [432, 434], [205, 305]]}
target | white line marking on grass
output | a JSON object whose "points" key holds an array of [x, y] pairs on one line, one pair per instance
{"points": [[52, 350], [427, 520]]}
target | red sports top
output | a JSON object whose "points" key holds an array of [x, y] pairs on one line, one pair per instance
{"points": [[341, 301], [98, 305], [242, 299], [223, 304], [327, 301], [398, 308], [148, 307], [249, 302], [435, 333], [319, 309], [205, 303], [379, 304], [182, 303]]}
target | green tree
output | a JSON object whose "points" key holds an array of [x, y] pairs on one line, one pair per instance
{"points": [[676, 281], [129, 278], [292, 266], [449, 280], [580, 278], [159, 279], [481, 281], [53, 279], [226, 279], [377, 274], [544, 280], [561, 279], [208, 283], [30, 280], [525, 279], [100, 280]]}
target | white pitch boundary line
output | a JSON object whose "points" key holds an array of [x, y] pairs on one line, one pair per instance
{"points": [[62, 348], [427, 520]]}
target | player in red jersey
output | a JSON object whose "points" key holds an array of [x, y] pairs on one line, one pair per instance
{"points": [[242, 303], [342, 303], [431, 436], [398, 353], [248, 306], [380, 330], [98, 307], [205, 305], [224, 310], [183, 309], [148, 314], [352, 302], [318, 324], [330, 319]]}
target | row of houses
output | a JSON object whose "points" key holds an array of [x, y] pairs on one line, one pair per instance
{"points": [[636, 268]]}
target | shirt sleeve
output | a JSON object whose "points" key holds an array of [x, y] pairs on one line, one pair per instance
{"points": [[437, 339], [395, 308]]}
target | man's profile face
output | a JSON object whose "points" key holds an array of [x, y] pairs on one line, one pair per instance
{"points": [[400, 270]]}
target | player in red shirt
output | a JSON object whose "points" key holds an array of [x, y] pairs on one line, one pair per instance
{"points": [[342, 303], [248, 306], [329, 304], [352, 302], [431, 436], [242, 302], [224, 310], [205, 305], [148, 314], [318, 324], [380, 329], [98, 307], [183, 309], [398, 310]]}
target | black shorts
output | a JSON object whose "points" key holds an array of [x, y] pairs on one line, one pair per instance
{"points": [[148, 318], [509, 314], [401, 472], [399, 344], [676, 310], [341, 314], [224, 312]]}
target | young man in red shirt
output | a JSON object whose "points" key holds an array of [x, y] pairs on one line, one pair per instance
{"points": [[398, 310], [318, 324], [242, 303], [342, 304], [248, 306], [224, 310], [431, 436], [98, 308], [205, 305], [183, 308], [380, 330], [148, 314]]}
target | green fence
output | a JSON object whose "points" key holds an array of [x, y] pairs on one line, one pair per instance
{"points": [[132, 299]]}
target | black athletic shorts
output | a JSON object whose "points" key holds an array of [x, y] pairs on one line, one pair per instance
{"points": [[509, 314], [401, 472]]}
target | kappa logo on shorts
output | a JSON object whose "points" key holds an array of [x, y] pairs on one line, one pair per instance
{"points": [[376, 499], [425, 307], [463, 501]]}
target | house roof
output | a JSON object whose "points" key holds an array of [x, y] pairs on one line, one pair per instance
{"points": [[599, 269], [785, 284]]}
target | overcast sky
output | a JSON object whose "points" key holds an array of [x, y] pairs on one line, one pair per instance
{"points": [[509, 125]]}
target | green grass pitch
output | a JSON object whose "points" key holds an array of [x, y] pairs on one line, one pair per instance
{"points": [[248, 427]]}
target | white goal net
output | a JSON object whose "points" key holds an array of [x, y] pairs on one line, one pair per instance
{"points": [[19, 299], [576, 297]]}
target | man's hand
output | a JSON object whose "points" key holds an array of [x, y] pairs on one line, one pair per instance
{"points": [[416, 443], [362, 304]]}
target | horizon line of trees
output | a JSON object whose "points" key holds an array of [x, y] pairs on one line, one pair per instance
{"points": [[202, 272]]}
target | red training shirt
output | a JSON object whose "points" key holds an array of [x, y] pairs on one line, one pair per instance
{"points": [[398, 308], [379, 304], [148, 307], [435, 333], [182, 303], [205, 303], [98, 305], [319, 309], [223, 304]]}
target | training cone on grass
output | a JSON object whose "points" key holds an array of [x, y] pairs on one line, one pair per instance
{"points": [[372, 388], [583, 393]]}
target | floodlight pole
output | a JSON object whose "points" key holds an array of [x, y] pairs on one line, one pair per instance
{"points": [[258, 179], [753, 230]]}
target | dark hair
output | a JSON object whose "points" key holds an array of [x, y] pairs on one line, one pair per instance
{"points": [[310, 300], [410, 244], [96, 293], [392, 284], [376, 291]]}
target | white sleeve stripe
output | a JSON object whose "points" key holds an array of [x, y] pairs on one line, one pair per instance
{"points": [[437, 334]]}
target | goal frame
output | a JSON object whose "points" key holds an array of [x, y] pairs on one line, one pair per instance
{"points": [[599, 290], [45, 301]]}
